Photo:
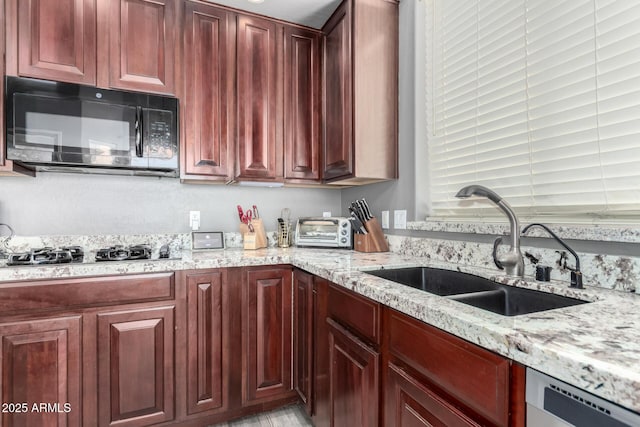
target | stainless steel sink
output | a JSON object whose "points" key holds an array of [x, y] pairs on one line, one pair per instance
{"points": [[436, 281], [476, 291], [511, 301]]}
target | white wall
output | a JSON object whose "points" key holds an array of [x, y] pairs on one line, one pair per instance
{"points": [[53, 204]]}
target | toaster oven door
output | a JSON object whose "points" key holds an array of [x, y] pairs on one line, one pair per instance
{"points": [[318, 232]]}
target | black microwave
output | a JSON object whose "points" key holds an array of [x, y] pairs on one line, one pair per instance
{"points": [[69, 127]]}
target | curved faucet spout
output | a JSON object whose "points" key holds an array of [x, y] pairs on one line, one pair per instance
{"points": [[512, 261], [478, 190]]}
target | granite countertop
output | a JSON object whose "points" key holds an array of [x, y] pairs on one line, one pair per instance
{"points": [[593, 346]]}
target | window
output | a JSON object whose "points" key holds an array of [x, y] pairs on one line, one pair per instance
{"points": [[537, 100]]}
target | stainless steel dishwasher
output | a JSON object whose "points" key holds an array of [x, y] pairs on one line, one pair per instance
{"points": [[553, 403]]}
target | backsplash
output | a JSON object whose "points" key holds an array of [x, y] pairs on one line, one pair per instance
{"points": [[177, 242], [620, 273]]}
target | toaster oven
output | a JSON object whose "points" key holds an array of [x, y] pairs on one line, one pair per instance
{"points": [[334, 232]]}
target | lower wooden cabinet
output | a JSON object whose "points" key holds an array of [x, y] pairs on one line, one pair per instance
{"points": [[303, 338], [408, 402], [346, 362], [136, 366], [208, 307], [353, 379], [266, 335], [138, 350], [455, 381], [41, 365]]}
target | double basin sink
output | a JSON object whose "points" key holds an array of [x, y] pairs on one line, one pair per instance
{"points": [[476, 291]]}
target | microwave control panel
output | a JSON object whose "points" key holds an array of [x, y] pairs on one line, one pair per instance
{"points": [[159, 142]]}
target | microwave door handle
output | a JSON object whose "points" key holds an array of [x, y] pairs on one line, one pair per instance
{"points": [[139, 130]]}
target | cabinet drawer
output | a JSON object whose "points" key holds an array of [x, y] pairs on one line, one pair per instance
{"points": [[85, 292], [410, 403], [477, 378], [358, 314]]}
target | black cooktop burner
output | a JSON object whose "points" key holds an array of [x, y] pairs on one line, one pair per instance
{"points": [[63, 255], [122, 253]]}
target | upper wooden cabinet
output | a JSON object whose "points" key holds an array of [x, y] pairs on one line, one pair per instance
{"points": [[125, 44], [7, 167], [338, 146], [252, 97], [208, 98], [259, 153], [361, 92], [302, 98], [56, 39], [141, 47]]}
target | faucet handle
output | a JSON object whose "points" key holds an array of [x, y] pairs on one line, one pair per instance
{"points": [[576, 279], [497, 243]]}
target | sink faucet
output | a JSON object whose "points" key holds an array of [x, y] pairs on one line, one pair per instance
{"points": [[576, 274], [511, 262]]}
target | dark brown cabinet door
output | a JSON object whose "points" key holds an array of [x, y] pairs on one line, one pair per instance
{"points": [[320, 387], [209, 72], [257, 99], [266, 317], [302, 104], [55, 39], [409, 403], [470, 376], [41, 364], [207, 341], [141, 44], [136, 367], [353, 379], [338, 108], [303, 348]]}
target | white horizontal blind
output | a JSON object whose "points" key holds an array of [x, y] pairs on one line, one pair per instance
{"points": [[538, 100]]}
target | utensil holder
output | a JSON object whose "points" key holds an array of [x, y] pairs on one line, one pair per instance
{"points": [[284, 234], [374, 241], [256, 239]]}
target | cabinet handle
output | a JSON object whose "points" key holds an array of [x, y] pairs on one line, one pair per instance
{"points": [[139, 129]]}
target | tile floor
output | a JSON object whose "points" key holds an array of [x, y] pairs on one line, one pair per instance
{"points": [[291, 416]]}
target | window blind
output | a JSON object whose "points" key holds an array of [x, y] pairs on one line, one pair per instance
{"points": [[538, 100]]}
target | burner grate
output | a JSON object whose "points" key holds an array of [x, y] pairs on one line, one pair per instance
{"points": [[122, 253], [47, 255]]}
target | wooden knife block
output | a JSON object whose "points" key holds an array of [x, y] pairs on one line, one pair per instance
{"points": [[374, 241], [257, 239]]}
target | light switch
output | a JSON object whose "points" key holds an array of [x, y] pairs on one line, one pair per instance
{"points": [[194, 220], [400, 220], [385, 220]]}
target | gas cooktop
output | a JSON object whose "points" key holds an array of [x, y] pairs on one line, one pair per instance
{"points": [[75, 254]]}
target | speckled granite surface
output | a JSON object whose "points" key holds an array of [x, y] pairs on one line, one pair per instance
{"points": [[600, 232], [621, 273], [594, 346]]}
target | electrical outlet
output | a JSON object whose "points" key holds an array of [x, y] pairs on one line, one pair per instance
{"points": [[400, 220], [194, 220], [326, 214], [385, 220]]}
